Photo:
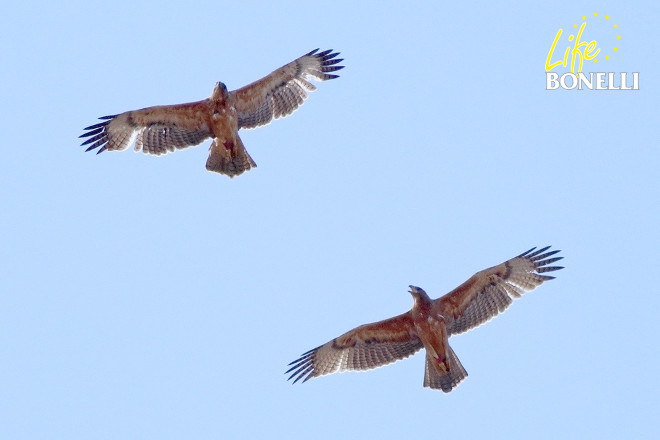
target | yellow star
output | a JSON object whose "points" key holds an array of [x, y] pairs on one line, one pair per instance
{"points": [[595, 60], [584, 17], [616, 49], [616, 26], [595, 14], [618, 37], [607, 17], [607, 57], [575, 25]]}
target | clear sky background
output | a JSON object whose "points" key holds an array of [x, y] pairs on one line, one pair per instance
{"points": [[144, 297]]}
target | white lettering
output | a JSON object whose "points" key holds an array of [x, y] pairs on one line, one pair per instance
{"points": [[603, 81], [551, 82], [610, 80], [582, 78], [573, 78], [624, 81]]}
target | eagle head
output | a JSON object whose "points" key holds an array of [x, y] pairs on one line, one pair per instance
{"points": [[418, 293], [219, 91]]}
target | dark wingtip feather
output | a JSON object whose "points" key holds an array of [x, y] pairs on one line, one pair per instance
{"points": [[303, 372], [537, 252], [91, 132], [292, 368], [330, 56], [328, 63], [95, 126], [549, 269], [101, 124], [96, 145], [312, 52], [308, 377], [297, 362], [331, 68], [541, 260], [305, 375], [296, 375], [548, 261], [526, 252], [331, 62], [303, 367], [547, 254], [97, 137], [97, 134]]}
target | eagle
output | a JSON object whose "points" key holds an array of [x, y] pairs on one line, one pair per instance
{"points": [[162, 129], [430, 323]]}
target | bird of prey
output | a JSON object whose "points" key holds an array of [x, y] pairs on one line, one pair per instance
{"points": [[162, 129], [430, 323]]}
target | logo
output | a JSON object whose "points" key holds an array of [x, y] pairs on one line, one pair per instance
{"points": [[580, 53]]}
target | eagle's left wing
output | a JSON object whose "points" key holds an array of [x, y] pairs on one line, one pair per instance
{"points": [[284, 90], [363, 348], [155, 130], [491, 291]]}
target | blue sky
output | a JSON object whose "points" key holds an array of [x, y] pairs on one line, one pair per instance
{"points": [[144, 297]]}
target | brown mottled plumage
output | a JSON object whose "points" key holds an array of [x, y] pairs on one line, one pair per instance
{"points": [[430, 323], [161, 129]]}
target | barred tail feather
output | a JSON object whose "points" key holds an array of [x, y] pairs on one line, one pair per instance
{"points": [[444, 381], [231, 159]]}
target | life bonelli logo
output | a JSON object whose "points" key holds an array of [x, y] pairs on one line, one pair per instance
{"points": [[579, 53]]}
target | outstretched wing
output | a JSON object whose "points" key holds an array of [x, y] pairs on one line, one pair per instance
{"points": [[363, 348], [491, 291], [284, 90], [155, 130]]}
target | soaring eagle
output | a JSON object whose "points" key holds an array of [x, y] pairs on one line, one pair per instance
{"points": [[430, 323], [161, 129]]}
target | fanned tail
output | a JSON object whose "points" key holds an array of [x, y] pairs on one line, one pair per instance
{"points": [[444, 381], [228, 158]]}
